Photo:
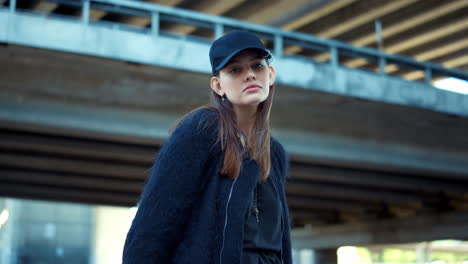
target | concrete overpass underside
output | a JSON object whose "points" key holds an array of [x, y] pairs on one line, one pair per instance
{"points": [[86, 129], [426, 30]]}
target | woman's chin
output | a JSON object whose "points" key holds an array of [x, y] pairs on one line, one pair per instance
{"points": [[250, 103], [255, 99]]}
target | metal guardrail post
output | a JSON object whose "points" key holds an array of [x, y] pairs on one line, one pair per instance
{"points": [[428, 76], [155, 23], [333, 56], [378, 34], [278, 45], [85, 11], [219, 30], [382, 64], [12, 5]]}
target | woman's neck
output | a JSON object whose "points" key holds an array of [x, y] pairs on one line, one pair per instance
{"points": [[245, 117]]}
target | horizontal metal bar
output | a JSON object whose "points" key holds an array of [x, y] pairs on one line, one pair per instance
{"points": [[120, 10], [305, 44], [358, 54], [69, 2]]}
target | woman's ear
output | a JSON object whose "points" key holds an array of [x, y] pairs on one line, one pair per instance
{"points": [[216, 85], [272, 75]]}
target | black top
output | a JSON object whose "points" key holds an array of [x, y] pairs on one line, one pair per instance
{"points": [[188, 211], [263, 227]]}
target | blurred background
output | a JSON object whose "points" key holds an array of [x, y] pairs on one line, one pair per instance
{"points": [[371, 104]]}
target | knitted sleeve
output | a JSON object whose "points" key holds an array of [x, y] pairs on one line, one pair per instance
{"points": [[176, 179]]}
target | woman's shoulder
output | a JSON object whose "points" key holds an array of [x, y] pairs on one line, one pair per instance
{"points": [[277, 149], [279, 156], [203, 115], [201, 121]]}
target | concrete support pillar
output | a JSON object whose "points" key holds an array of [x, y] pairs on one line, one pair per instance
{"points": [[328, 256]]}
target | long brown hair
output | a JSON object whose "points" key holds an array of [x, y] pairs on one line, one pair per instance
{"points": [[257, 145]]}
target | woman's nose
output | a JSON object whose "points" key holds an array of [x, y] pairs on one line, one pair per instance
{"points": [[250, 75]]}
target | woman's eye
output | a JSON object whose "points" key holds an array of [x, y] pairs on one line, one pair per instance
{"points": [[235, 70], [258, 65]]}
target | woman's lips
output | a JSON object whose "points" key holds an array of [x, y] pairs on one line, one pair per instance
{"points": [[251, 88]]}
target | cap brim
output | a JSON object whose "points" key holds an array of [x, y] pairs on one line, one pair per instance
{"points": [[267, 55]]}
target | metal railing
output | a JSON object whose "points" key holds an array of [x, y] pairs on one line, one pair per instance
{"points": [[219, 25]]}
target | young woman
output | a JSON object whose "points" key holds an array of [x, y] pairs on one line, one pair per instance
{"points": [[216, 192]]}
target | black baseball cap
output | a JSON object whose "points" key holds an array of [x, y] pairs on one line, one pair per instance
{"points": [[224, 48]]}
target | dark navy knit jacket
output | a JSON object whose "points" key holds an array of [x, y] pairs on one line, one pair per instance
{"points": [[188, 212]]}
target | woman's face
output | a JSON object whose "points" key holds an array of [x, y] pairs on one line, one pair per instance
{"points": [[245, 80]]}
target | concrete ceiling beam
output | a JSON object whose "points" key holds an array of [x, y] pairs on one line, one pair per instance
{"points": [[76, 147], [95, 14], [75, 166], [301, 217], [452, 63], [259, 13], [45, 7], [145, 21], [357, 21], [316, 14], [458, 248], [391, 30], [366, 17], [369, 178], [165, 2], [329, 204], [452, 47], [211, 7], [456, 62], [68, 181], [423, 227], [442, 31], [321, 216], [47, 192], [354, 193]]}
